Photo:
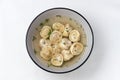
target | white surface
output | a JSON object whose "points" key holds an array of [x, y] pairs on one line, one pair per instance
{"points": [[104, 17]]}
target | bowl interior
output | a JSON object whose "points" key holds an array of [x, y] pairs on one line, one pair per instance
{"points": [[64, 12]]}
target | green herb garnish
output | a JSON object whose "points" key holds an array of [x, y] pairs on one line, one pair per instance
{"points": [[34, 38], [70, 19], [49, 64], [49, 32], [58, 16], [35, 51], [36, 29], [46, 20], [41, 24]]}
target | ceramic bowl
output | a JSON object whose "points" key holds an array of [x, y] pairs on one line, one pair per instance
{"points": [[65, 12]]}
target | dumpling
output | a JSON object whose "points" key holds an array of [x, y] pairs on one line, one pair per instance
{"points": [[58, 26], [56, 49], [46, 53], [65, 43], [57, 60], [67, 30], [76, 48], [45, 31], [44, 42], [66, 55], [55, 37], [74, 36]]}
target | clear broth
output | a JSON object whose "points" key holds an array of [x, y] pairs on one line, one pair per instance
{"points": [[64, 20]]}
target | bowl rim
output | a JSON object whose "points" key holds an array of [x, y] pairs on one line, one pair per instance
{"points": [[80, 16]]}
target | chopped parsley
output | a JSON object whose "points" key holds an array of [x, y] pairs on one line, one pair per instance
{"points": [[49, 32], [70, 19], [35, 51], [36, 29], [46, 20], [58, 16], [41, 24], [49, 64], [34, 38]]}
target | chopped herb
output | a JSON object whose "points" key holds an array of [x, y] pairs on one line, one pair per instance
{"points": [[58, 16], [41, 24], [49, 32], [33, 38], [35, 51], [70, 18], [36, 29], [64, 43], [46, 20], [49, 64]]}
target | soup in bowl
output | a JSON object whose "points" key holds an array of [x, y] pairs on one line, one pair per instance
{"points": [[59, 40]]}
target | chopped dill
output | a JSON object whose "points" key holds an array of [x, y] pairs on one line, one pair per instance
{"points": [[48, 64], [35, 51], [41, 24], [49, 32], [58, 16], [34, 38], [46, 20], [70, 19]]}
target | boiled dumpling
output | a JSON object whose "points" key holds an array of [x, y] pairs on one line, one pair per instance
{"points": [[44, 42], [76, 48], [74, 36], [58, 26], [56, 49], [57, 60], [46, 53], [66, 55], [45, 31], [55, 37], [65, 43], [67, 30]]}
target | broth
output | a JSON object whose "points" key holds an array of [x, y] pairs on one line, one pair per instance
{"points": [[64, 20]]}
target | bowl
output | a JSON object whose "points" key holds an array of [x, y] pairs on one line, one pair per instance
{"points": [[64, 12]]}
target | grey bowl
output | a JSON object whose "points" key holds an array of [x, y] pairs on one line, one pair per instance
{"points": [[66, 12]]}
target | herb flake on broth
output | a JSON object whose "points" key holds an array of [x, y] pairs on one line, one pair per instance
{"points": [[46, 20], [49, 32], [58, 16], [34, 38], [49, 64], [35, 51], [41, 24]]}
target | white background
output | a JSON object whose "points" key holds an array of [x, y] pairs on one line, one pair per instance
{"points": [[104, 17]]}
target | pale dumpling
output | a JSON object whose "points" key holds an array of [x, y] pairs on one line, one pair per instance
{"points": [[56, 49], [44, 33], [76, 48], [74, 36], [46, 53], [44, 42], [67, 30], [57, 60], [58, 26], [55, 37], [65, 43], [66, 55]]}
